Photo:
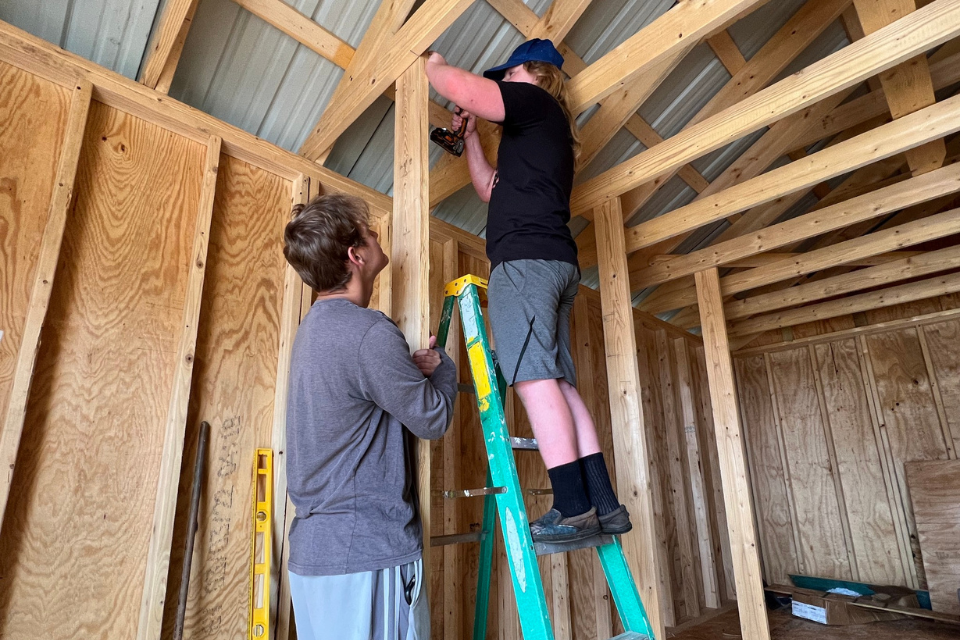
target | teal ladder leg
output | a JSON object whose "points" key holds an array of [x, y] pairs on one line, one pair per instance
{"points": [[531, 601], [487, 540], [624, 589]]}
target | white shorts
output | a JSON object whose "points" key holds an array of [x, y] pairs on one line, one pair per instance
{"points": [[387, 604]]}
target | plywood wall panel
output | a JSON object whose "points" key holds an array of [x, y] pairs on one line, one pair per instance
{"points": [[79, 519], [943, 340], [871, 519], [810, 473], [776, 526], [908, 414], [33, 117], [233, 387]]}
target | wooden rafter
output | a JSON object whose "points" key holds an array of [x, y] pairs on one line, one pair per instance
{"points": [[907, 86], [900, 294], [167, 42], [895, 137], [887, 47], [395, 55], [673, 31], [931, 186], [921, 264], [785, 45]]}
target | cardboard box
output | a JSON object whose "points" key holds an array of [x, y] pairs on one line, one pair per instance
{"points": [[835, 609]]}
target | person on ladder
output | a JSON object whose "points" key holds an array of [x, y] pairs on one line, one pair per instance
{"points": [[534, 271]]}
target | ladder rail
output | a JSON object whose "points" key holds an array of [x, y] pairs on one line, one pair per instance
{"points": [[524, 570], [490, 390]]}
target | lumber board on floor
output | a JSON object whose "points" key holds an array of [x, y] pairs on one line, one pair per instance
{"points": [[935, 494]]}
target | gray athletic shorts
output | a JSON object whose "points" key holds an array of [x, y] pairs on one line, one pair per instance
{"points": [[387, 604], [529, 305]]}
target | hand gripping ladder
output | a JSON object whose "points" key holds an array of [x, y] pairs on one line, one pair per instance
{"points": [[504, 497]]}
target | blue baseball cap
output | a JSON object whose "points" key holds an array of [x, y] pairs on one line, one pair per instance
{"points": [[536, 49]]}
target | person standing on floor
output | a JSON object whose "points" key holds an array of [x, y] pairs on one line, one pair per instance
{"points": [[357, 399], [534, 270]]}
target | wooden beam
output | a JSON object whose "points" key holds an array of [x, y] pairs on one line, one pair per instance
{"points": [[943, 72], [922, 264], [559, 19], [293, 288], [61, 202], [698, 491], [173, 58], [934, 121], [303, 29], [620, 105], [410, 238], [900, 294], [934, 227], [785, 45], [924, 230], [798, 130], [889, 46], [751, 163], [907, 86], [393, 58], [866, 207], [623, 384], [727, 51], [854, 332], [174, 18], [388, 19], [733, 469], [168, 483], [673, 31]]}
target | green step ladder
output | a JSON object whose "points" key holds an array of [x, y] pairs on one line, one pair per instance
{"points": [[503, 496]]}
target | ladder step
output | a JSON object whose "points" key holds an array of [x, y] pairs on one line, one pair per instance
{"points": [[526, 444], [547, 548], [470, 493], [463, 387], [457, 538], [631, 635]]}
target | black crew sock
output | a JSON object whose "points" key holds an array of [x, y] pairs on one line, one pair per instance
{"points": [[597, 480], [569, 492]]}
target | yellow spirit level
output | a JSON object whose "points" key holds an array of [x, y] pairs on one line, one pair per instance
{"points": [[259, 620]]}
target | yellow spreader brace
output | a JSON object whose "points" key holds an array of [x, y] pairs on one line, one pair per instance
{"points": [[456, 287], [259, 620]]}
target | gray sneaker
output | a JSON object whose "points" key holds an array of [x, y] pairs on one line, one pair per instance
{"points": [[616, 522], [553, 527]]}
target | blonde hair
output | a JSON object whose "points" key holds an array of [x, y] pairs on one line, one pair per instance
{"points": [[550, 79]]}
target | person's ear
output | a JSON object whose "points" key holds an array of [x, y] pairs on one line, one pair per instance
{"points": [[354, 256]]}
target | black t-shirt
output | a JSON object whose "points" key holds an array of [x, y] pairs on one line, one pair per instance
{"points": [[530, 201]]}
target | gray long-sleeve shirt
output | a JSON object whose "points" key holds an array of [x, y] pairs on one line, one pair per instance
{"points": [[355, 397]]}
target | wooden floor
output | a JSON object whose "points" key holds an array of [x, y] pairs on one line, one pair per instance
{"points": [[784, 626]]}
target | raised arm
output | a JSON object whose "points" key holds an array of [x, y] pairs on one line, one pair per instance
{"points": [[475, 96], [471, 92]]}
